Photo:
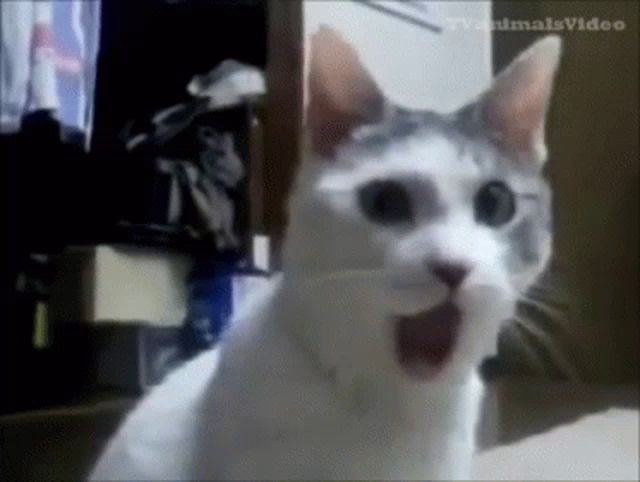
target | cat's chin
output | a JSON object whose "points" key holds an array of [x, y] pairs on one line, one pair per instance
{"points": [[425, 341]]}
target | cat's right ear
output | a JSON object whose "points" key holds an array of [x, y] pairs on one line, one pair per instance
{"points": [[512, 112], [342, 94]]}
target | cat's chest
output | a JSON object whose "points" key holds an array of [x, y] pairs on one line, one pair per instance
{"points": [[276, 417], [345, 449], [312, 432]]}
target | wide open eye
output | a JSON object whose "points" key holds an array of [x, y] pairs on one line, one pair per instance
{"points": [[386, 202], [494, 204]]}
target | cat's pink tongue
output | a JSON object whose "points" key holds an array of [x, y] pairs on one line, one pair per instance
{"points": [[425, 340]]}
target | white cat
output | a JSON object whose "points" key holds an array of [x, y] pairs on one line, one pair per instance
{"points": [[411, 236]]}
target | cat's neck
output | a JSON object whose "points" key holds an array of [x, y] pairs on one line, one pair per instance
{"points": [[366, 391]]}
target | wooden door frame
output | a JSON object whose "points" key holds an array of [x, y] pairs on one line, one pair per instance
{"points": [[284, 113]]}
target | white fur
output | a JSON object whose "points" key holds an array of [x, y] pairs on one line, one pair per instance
{"points": [[308, 386], [271, 413]]}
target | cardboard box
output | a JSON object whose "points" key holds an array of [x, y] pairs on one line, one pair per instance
{"points": [[117, 283]]}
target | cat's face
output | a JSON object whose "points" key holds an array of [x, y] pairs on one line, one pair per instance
{"points": [[414, 233]]}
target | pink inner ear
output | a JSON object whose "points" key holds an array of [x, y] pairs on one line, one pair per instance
{"points": [[329, 126], [516, 106], [518, 117], [342, 94]]}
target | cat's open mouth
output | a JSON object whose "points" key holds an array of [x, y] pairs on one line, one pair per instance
{"points": [[424, 341]]}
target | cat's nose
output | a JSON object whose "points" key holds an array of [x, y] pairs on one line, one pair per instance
{"points": [[451, 273]]}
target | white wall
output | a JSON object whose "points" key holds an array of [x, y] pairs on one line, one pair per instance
{"points": [[415, 67]]}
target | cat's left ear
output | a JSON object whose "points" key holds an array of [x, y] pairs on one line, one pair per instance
{"points": [[342, 94], [513, 111]]}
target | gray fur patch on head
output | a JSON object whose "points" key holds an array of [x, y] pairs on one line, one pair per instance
{"points": [[402, 124], [524, 239], [467, 121], [528, 237], [398, 126]]}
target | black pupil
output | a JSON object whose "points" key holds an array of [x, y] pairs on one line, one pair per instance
{"points": [[494, 204], [386, 202]]}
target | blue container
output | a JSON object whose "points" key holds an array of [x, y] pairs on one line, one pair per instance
{"points": [[210, 304]]}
